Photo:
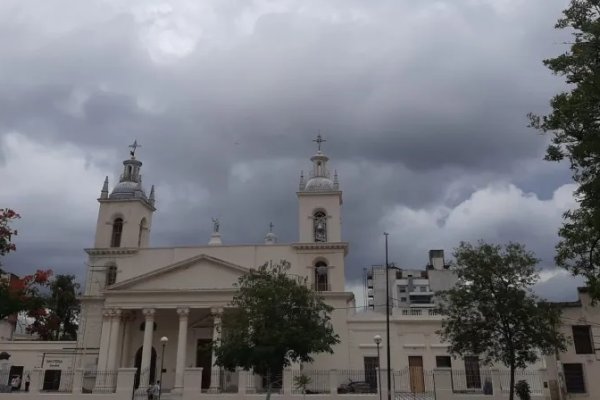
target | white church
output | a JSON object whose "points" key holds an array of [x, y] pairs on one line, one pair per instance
{"points": [[152, 313]]}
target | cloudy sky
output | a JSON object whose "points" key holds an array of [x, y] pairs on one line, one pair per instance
{"points": [[423, 105]]}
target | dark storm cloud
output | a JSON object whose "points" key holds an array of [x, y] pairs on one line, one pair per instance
{"points": [[422, 105]]}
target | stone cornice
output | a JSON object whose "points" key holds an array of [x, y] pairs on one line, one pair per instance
{"points": [[322, 246], [111, 251], [145, 202], [170, 292]]}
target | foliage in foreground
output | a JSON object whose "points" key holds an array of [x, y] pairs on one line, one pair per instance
{"points": [[492, 312], [273, 321], [574, 126]]}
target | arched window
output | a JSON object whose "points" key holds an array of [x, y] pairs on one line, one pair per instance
{"points": [[320, 226], [321, 277], [117, 232], [142, 229], [111, 275]]}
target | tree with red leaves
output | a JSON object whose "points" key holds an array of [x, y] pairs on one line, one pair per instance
{"points": [[58, 320], [18, 294], [6, 232]]}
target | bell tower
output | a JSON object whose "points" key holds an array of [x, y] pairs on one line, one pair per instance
{"points": [[320, 201], [125, 215]]}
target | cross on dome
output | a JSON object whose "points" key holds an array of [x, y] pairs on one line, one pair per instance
{"points": [[134, 146], [319, 140]]}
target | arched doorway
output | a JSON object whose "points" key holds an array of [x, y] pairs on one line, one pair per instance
{"points": [[138, 364]]}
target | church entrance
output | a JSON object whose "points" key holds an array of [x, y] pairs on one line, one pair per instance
{"points": [[204, 360], [138, 364]]}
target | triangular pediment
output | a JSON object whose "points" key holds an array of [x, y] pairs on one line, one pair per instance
{"points": [[198, 272]]}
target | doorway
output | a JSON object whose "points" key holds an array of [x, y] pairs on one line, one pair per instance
{"points": [[417, 380], [472, 372], [51, 380], [138, 366], [15, 370], [204, 360], [371, 364]]}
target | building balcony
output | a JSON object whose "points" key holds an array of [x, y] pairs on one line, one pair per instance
{"points": [[321, 287], [422, 305], [419, 293], [416, 313]]}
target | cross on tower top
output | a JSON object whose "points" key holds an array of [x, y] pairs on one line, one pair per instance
{"points": [[319, 140], [134, 146]]}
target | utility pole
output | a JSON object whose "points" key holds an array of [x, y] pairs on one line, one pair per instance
{"points": [[387, 318]]}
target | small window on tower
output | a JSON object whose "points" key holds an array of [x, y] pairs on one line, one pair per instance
{"points": [[116, 233], [320, 226], [141, 233], [111, 275], [321, 277]]}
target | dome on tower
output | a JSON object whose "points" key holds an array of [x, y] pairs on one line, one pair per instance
{"points": [[319, 178], [319, 183], [128, 190], [130, 182]]}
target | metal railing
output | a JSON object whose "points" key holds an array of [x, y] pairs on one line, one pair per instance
{"points": [[472, 381], [222, 381], [356, 381], [260, 384], [535, 379], [413, 380], [99, 381], [321, 287], [419, 312], [56, 380], [317, 382]]}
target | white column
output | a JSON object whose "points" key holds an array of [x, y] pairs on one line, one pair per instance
{"points": [[181, 348], [115, 327], [147, 349], [104, 340], [216, 375], [125, 335]]}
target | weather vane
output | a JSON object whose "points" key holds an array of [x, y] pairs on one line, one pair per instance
{"points": [[319, 140], [134, 146]]}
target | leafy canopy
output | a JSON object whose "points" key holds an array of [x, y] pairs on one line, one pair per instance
{"points": [[492, 312], [574, 126], [22, 294], [17, 294], [57, 320], [274, 320]]}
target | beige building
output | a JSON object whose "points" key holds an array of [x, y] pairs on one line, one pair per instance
{"points": [[138, 294], [574, 371], [153, 313]]}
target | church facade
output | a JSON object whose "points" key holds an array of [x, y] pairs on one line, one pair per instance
{"points": [[137, 295]]}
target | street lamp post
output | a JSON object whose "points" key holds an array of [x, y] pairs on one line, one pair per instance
{"points": [[377, 340], [163, 341], [387, 317]]}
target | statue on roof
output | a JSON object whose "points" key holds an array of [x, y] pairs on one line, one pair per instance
{"points": [[216, 224]]}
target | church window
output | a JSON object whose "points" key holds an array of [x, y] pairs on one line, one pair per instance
{"points": [[142, 229], [320, 226], [321, 277], [117, 231], [111, 275]]}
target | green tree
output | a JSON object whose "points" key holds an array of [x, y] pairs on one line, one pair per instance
{"points": [[574, 127], [273, 320], [492, 313], [57, 320]]}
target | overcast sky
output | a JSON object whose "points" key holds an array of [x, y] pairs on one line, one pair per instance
{"points": [[423, 105]]}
